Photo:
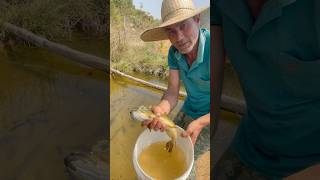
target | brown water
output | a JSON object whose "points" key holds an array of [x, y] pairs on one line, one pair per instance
{"points": [[49, 107], [160, 164], [123, 131]]}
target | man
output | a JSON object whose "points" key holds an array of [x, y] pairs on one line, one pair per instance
{"points": [[189, 61], [274, 46]]}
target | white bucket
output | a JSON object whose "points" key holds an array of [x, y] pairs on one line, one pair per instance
{"points": [[147, 138]]}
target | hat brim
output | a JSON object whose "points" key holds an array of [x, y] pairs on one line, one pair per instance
{"points": [[158, 33]]}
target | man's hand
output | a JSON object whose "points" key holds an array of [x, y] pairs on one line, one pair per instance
{"points": [[155, 123], [193, 130], [167, 103], [195, 127]]}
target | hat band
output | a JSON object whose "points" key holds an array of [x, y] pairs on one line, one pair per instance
{"points": [[177, 12]]}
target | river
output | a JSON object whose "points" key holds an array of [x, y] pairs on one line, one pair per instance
{"points": [[49, 107]]}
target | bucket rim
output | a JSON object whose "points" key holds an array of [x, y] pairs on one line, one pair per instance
{"points": [[135, 160]]}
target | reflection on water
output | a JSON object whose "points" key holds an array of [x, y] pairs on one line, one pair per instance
{"points": [[123, 131], [49, 107]]}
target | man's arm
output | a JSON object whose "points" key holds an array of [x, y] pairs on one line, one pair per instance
{"points": [[170, 98], [218, 58], [168, 101], [195, 127]]}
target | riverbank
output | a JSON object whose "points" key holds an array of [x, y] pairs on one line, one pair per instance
{"points": [[128, 52]]}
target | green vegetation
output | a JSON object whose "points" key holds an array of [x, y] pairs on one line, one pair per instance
{"points": [[128, 53], [56, 18]]}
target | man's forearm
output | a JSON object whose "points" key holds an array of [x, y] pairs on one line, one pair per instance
{"points": [[168, 101], [170, 97], [204, 120]]}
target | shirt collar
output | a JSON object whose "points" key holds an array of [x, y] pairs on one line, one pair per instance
{"points": [[239, 13], [271, 10]]}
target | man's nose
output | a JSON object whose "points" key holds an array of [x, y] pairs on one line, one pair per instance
{"points": [[179, 35]]}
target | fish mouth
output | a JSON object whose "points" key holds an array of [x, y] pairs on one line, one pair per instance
{"points": [[133, 113], [138, 113], [131, 110]]}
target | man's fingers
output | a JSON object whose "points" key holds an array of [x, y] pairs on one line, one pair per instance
{"points": [[164, 126], [194, 137], [154, 123], [149, 125], [186, 133], [145, 123], [158, 125], [154, 109], [157, 110]]}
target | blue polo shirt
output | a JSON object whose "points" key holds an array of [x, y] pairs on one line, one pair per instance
{"points": [[196, 79], [277, 59]]}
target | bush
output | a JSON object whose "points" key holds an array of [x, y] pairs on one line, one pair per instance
{"points": [[128, 53]]}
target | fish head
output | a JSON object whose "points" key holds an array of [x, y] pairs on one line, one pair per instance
{"points": [[141, 114]]}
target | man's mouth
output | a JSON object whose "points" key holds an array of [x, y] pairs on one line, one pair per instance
{"points": [[184, 45]]}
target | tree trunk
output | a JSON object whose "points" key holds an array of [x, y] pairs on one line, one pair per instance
{"points": [[227, 103], [77, 56]]}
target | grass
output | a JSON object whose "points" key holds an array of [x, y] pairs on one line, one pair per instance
{"points": [[56, 18]]}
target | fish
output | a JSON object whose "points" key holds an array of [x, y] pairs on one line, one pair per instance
{"points": [[143, 113]]}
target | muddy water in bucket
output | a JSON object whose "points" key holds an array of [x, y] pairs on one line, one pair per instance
{"points": [[161, 164]]}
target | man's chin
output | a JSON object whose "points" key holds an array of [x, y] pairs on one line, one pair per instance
{"points": [[185, 51]]}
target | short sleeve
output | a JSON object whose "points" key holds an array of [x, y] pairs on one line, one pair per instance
{"points": [[172, 61], [215, 16]]}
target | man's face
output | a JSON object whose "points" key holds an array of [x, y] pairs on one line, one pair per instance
{"points": [[184, 35]]}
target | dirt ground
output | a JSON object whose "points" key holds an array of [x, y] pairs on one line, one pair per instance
{"points": [[203, 167]]}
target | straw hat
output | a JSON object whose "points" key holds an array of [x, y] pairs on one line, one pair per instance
{"points": [[172, 11]]}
